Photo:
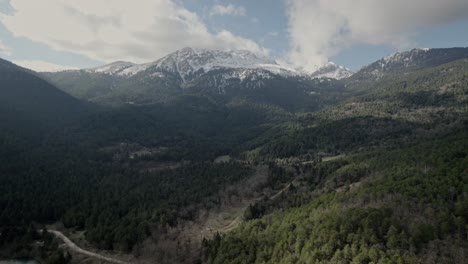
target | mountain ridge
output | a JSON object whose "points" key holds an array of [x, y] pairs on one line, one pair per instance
{"points": [[410, 60], [226, 74], [189, 61], [230, 74], [26, 100]]}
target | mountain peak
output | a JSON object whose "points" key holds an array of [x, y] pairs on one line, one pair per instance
{"points": [[411, 60], [207, 59], [405, 56], [188, 62], [332, 70]]}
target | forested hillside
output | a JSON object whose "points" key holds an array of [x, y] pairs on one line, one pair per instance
{"points": [[406, 205], [25, 98], [382, 178], [359, 170]]}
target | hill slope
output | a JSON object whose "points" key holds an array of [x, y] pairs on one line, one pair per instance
{"points": [[25, 97]]}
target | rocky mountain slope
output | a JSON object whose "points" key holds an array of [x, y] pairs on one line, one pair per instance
{"points": [[226, 74], [409, 61], [189, 63], [332, 71]]}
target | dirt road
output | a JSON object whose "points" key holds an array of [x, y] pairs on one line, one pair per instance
{"points": [[77, 249]]}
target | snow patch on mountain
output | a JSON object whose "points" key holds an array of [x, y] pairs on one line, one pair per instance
{"points": [[407, 61], [189, 59], [331, 70], [405, 57], [399, 59], [189, 63], [112, 68], [130, 71]]}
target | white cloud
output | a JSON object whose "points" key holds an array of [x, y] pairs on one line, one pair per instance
{"points": [[319, 29], [117, 30], [42, 66], [4, 50], [230, 9]]}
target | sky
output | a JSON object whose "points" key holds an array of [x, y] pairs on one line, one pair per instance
{"points": [[51, 35]]}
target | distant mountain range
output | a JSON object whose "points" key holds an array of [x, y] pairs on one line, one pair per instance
{"points": [[190, 63], [230, 74], [227, 74]]}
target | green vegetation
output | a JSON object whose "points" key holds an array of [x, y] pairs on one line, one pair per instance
{"points": [[408, 205], [289, 93], [26, 242], [121, 210], [359, 170], [398, 193], [115, 203]]}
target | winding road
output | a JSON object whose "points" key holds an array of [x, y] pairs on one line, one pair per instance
{"points": [[77, 249], [70, 244]]}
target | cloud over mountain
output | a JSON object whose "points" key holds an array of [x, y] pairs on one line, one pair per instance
{"points": [[320, 29], [117, 30]]}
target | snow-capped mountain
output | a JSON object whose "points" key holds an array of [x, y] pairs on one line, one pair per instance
{"points": [[333, 71], [399, 60], [189, 63], [410, 60], [229, 74]]}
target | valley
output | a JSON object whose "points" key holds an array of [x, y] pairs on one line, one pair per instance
{"points": [[209, 156]]}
